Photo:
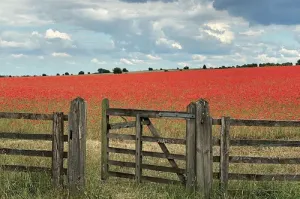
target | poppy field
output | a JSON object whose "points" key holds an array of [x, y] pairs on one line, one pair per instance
{"points": [[252, 93]]}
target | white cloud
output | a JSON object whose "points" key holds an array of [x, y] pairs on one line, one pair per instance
{"points": [[220, 31], [11, 44], [198, 57], [291, 53], [126, 61], [61, 55], [169, 43], [17, 56], [52, 34], [265, 58], [151, 57], [96, 61]]}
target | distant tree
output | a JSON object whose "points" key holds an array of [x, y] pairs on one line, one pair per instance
{"points": [[166, 70], [44, 74], [298, 62], [102, 70], [186, 68], [124, 70], [150, 69], [160, 68], [204, 67], [81, 73], [117, 70], [66, 73], [89, 73], [177, 68], [57, 74]]}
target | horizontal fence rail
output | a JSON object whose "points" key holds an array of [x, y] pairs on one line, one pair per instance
{"points": [[262, 123], [29, 116], [23, 136], [198, 172], [77, 126], [37, 153], [260, 143], [148, 113]]}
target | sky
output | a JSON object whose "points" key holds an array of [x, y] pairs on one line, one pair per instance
{"points": [[58, 36]]}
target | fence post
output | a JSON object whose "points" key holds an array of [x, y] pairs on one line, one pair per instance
{"points": [[204, 156], [77, 144], [224, 154], [191, 149], [104, 140], [138, 148], [57, 149]]}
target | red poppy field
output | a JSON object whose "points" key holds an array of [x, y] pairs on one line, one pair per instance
{"points": [[254, 93], [242, 93]]}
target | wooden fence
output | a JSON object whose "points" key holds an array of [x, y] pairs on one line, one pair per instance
{"points": [[76, 140], [198, 174]]}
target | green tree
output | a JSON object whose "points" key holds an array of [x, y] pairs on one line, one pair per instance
{"points": [[117, 70], [204, 67], [150, 69], [81, 73], [298, 62], [186, 68], [124, 70]]}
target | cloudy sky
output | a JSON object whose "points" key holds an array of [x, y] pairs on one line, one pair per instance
{"points": [[57, 36]]}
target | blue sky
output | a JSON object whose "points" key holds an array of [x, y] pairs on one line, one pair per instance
{"points": [[54, 36]]}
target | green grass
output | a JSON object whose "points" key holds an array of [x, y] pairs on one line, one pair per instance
{"points": [[38, 185]]}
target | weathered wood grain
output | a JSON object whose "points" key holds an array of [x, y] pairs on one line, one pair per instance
{"points": [[191, 149], [57, 149], [77, 145], [204, 157], [146, 166], [264, 123], [147, 153], [104, 139], [148, 113], [37, 153], [138, 149], [224, 155], [29, 116]]}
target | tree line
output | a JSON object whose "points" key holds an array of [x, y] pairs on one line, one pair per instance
{"points": [[118, 70]]}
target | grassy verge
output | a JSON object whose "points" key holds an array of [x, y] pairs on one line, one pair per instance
{"points": [[38, 185]]}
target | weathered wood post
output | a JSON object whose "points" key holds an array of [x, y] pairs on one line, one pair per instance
{"points": [[191, 149], [77, 145], [138, 148], [104, 140], [204, 155], [224, 154], [57, 149]]}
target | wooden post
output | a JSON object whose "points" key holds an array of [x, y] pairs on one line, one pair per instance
{"points": [[104, 140], [77, 144], [224, 155], [191, 149], [138, 148], [204, 156], [57, 149]]}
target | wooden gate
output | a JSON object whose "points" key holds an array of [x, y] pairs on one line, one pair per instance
{"points": [[197, 142], [142, 118]]}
